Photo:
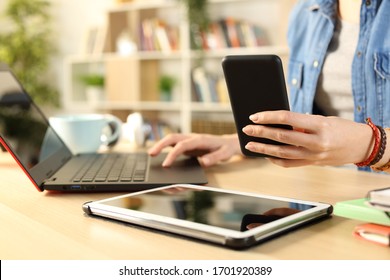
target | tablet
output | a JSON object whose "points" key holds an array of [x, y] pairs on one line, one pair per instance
{"points": [[229, 218]]}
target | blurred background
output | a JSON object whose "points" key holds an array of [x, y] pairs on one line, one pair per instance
{"points": [[159, 58]]}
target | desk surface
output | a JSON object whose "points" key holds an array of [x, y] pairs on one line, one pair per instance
{"points": [[44, 225]]}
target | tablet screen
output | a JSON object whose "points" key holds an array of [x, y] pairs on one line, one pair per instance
{"points": [[220, 209]]}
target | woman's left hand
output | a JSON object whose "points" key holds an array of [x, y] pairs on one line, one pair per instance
{"points": [[314, 139]]}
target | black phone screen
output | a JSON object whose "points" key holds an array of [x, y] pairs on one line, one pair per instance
{"points": [[255, 83]]}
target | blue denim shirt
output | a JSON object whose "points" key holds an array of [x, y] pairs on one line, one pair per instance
{"points": [[311, 27]]}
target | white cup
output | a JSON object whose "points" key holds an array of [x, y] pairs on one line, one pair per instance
{"points": [[86, 133]]}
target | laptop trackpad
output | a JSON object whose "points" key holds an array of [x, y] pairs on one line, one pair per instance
{"points": [[184, 170]]}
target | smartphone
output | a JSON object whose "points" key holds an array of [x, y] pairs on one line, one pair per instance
{"points": [[255, 83], [229, 218]]}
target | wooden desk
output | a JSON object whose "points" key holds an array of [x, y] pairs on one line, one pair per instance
{"points": [[44, 225]]}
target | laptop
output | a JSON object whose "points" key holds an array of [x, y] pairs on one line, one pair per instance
{"points": [[45, 158]]}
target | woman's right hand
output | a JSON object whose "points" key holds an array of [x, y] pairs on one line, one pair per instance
{"points": [[210, 149]]}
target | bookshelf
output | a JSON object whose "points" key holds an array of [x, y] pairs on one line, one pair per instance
{"points": [[132, 77]]}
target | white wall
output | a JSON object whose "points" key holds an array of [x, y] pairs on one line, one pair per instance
{"points": [[71, 19]]}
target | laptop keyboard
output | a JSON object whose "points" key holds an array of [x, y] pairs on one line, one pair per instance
{"points": [[114, 168]]}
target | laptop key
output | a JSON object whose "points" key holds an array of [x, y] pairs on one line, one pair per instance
{"points": [[103, 179], [87, 180], [113, 179], [125, 179], [139, 179]]}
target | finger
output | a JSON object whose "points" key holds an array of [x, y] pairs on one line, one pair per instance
{"points": [[287, 136], [169, 140], [211, 158], [182, 147], [302, 121], [279, 151]]}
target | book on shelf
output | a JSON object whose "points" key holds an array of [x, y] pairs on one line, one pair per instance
{"points": [[233, 33], [208, 87], [156, 35], [359, 209], [215, 38], [201, 85], [94, 41]]}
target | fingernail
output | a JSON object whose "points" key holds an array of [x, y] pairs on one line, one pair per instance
{"points": [[205, 161], [248, 130], [253, 117], [249, 146]]}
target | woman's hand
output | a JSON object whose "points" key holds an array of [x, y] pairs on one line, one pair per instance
{"points": [[315, 139], [210, 149]]}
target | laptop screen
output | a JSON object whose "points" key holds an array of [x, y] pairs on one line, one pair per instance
{"points": [[26, 131]]}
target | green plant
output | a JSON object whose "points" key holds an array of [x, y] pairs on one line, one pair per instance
{"points": [[166, 83], [93, 80], [26, 46], [198, 18]]}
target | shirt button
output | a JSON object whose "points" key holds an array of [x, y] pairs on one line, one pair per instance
{"points": [[359, 54], [294, 82], [368, 2], [315, 63], [359, 108]]}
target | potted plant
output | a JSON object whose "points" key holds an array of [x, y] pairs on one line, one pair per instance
{"points": [[198, 18], [166, 84], [94, 80], [94, 87], [26, 46]]}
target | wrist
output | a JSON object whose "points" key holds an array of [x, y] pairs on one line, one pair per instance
{"points": [[234, 143], [364, 143], [379, 147], [374, 146]]}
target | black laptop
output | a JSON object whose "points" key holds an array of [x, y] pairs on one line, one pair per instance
{"points": [[26, 133]]}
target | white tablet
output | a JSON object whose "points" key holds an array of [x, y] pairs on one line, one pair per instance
{"points": [[230, 218]]}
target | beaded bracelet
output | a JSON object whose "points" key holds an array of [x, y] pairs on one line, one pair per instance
{"points": [[383, 167], [375, 150], [382, 149], [386, 166]]}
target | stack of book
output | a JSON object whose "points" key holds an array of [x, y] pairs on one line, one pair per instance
{"points": [[156, 35], [208, 87], [374, 210], [233, 33]]}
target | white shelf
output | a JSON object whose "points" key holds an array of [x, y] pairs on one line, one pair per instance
{"points": [[137, 5], [210, 107], [142, 106], [279, 50]]}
